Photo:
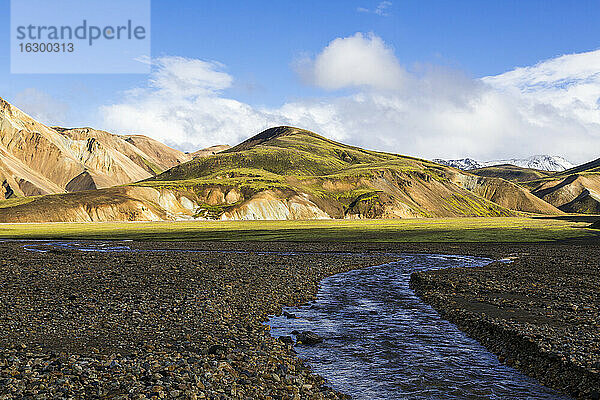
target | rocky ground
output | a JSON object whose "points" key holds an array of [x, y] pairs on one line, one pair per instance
{"points": [[172, 324], [540, 313], [155, 325]]}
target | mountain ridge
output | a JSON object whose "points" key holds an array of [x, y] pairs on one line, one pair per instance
{"points": [[539, 162], [511, 173], [291, 173], [36, 159]]}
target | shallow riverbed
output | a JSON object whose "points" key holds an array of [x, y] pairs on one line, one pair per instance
{"points": [[383, 342]]}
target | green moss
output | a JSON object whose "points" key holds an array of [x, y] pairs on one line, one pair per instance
{"points": [[367, 205], [16, 201], [466, 205], [249, 180], [153, 167], [214, 211], [405, 230]]}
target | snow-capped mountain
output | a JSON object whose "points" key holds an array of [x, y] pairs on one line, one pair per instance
{"points": [[464, 163], [540, 162]]}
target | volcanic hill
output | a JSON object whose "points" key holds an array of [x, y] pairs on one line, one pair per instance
{"points": [[290, 173], [576, 190]]}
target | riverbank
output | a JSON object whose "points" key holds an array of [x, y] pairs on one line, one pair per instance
{"points": [[165, 324], [539, 314]]}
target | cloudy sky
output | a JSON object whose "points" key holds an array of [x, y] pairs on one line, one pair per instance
{"points": [[434, 81]]}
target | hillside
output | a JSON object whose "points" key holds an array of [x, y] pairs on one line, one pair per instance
{"points": [[511, 173], [36, 159], [575, 190], [290, 173], [210, 151]]}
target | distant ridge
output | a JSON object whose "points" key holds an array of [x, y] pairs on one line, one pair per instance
{"points": [[539, 162], [511, 173], [592, 166]]}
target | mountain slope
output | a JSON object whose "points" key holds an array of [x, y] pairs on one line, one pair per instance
{"points": [[507, 194], [511, 173], [112, 160], [160, 154], [31, 152], [36, 159], [573, 190], [290, 173], [539, 162], [210, 151]]}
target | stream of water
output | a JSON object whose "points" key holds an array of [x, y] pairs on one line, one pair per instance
{"points": [[383, 342]]}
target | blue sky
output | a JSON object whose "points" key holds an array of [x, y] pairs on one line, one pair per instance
{"points": [[258, 44]]}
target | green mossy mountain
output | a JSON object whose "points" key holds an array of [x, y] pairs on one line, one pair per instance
{"points": [[291, 173]]}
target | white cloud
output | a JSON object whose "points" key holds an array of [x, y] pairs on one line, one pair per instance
{"points": [[358, 60], [381, 9], [182, 106], [570, 84], [549, 108], [41, 106], [188, 77]]}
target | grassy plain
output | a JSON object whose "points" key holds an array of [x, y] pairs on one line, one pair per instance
{"points": [[513, 229]]}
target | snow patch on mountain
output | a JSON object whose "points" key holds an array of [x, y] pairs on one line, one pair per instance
{"points": [[539, 162]]}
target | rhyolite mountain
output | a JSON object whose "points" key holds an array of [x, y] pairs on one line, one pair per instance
{"points": [[576, 190], [539, 162], [290, 173], [37, 160]]}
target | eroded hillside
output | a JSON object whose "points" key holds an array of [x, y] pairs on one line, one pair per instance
{"points": [[36, 159], [575, 191], [290, 173]]}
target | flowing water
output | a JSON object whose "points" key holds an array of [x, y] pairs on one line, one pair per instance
{"points": [[383, 342]]}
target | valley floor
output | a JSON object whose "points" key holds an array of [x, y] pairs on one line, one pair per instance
{"points": [[161, 322], [494, 230]]}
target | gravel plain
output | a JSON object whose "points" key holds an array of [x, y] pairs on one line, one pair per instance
{"points": [[160, 324], [165, 323]]}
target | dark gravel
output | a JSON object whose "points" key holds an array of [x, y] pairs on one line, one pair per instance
{"points": [[540, 313], [155, 325], [191, 325]]}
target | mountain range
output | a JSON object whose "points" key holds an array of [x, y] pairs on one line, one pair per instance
{"points": [[86, 175], [37, 160], [539, 162]]}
